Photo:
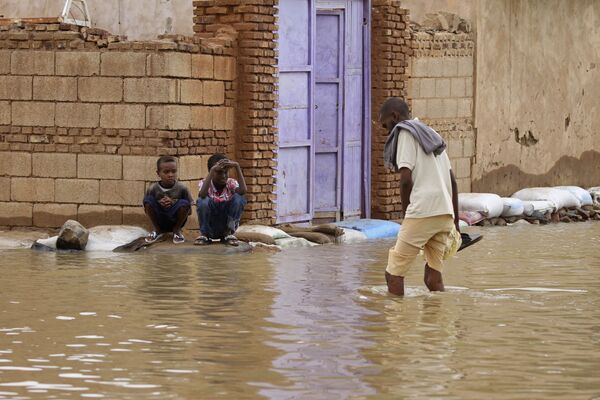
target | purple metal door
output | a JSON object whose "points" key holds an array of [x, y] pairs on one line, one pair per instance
{"points": [[340, 101], [295, 120], [323, 121], [329, 100], [354, 164]]}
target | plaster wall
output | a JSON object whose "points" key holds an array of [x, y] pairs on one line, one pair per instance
{"points": [[136, 19], [537, 83]]}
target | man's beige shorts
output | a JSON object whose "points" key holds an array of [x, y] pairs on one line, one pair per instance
{"points": [[432, 235]]}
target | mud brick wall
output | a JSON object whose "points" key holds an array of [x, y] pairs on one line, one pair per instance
{"points": [[254, 23], [441, 93], [391, 51], [84, 115]]}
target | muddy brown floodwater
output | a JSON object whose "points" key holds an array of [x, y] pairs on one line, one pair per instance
{"points": [[521, 320]]}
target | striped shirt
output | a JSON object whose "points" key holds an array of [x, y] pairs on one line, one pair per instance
{"points": [[224, 195]]}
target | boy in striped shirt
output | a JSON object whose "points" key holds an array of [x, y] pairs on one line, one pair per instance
{"points": [[220, 202]]}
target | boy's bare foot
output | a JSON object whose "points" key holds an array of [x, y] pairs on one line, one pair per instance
{"points": [[231, 240], [202, 241]]}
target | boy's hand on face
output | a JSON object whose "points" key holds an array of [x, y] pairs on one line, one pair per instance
{"points": [[221, 164], [231, 164]]}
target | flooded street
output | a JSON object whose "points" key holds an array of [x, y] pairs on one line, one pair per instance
{"points": [[520, 320]]}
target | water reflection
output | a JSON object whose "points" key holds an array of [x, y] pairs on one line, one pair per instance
{"points": [[521, 321], [322, 336]]}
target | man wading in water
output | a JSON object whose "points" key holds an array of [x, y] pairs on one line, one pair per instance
{"points": [[429, 196]]}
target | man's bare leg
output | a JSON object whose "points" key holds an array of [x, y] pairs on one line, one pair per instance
{"points": [[433, 279], [395, 284]]}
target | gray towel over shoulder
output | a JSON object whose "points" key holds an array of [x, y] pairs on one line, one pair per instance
{"points": [[430, 141]]}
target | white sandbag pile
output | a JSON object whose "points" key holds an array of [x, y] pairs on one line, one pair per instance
{"points": [[530, 208], [488, 204], [101, 238], [279, 238], [512, 207], [584, 196], [560, 198], [535, 205], [108, 238]]}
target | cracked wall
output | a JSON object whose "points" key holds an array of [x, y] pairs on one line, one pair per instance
{"points": [[537, 85]]}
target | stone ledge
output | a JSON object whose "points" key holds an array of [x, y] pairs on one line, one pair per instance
{"points": [[35, 33]]}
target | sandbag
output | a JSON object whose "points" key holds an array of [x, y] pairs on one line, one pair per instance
{"points": [[488, 204], [292, 243], [595, 193], [528, 208], [512, 207], [274, 233], [471, 217], [48, 244], [315, 237], [108, 238], [252, 237], [351, 236], [533, 207], [373, 228], [327, 229], [584, 197], [104, 238], [559, 198]]}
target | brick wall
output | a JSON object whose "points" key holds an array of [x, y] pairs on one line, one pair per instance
{"points": [[391, 50], [254, 23], [441, 93], [84, 115]]}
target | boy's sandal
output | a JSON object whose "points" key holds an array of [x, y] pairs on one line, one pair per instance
{"points": [[231, 240], [202, 241], [153, 237], [178, 238]]}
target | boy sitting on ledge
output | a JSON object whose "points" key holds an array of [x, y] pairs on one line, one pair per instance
{"points": [[220, 202], [167, 203]]}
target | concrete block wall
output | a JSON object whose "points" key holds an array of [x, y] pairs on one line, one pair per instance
{"points": [[254, 24], [45, 189], [84, 116], [391, 50], [440, 92]]}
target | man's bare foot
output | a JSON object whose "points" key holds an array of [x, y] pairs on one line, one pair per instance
{"points": [[433, 279], [395, 284]]}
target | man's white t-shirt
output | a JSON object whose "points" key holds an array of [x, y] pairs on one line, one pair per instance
{"points": [[432, 188]]}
